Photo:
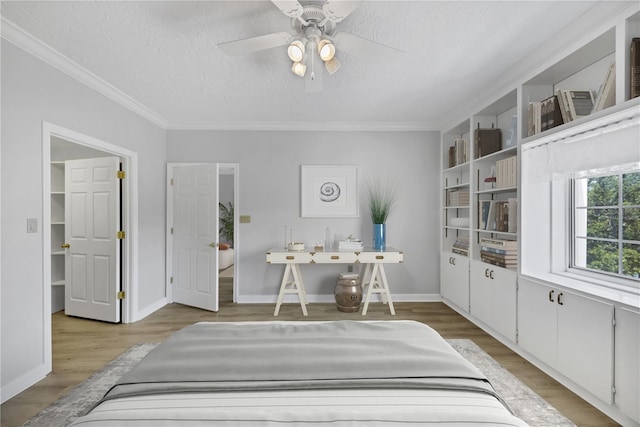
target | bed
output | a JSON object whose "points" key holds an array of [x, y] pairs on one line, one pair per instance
{"points": [[302, 373]]}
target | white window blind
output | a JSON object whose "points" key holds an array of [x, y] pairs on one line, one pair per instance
{"points": [[601, 146]]}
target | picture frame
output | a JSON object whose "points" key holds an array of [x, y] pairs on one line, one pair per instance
{"points": [[328, 191]]}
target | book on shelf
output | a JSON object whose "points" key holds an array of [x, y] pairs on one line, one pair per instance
{"points": [[554, 115], [458, 198], [486, 141], [564, 106], [534, 118], [461, 246], [459, 152], [512, 133], [580, 103], [607, 93], [635, 67], [506, 252], [506, 172], [513, 215], [498, 215], [484, 206], [499, 243], [498, 261]]}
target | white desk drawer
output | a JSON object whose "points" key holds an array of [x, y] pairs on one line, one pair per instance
{"points": [[380, 257], [335, 257], [289, 257]]}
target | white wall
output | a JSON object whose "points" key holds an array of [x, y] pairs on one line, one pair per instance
{"points": [[33, 92], [270, 193]]}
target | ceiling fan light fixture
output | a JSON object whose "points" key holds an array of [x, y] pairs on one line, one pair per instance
{"points": [[296, 51], [326, 50], [332, 65], [299, 69]]}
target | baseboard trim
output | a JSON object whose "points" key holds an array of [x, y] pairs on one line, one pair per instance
{"points": [[271, 299], [150, 309], [23, 382]]}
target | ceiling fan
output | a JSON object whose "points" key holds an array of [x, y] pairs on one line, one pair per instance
{"points": [[313, 42]]}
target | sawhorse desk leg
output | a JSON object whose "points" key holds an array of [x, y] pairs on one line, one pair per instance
{"points": [[377, 280], [293, 286]]}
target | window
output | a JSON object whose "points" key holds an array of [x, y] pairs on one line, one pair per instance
{"points": [[606, 225]]}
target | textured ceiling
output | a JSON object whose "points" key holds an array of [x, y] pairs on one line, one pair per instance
{"points": [[164, 56]]}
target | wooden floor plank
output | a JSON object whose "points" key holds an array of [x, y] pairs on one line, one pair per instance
{"points": [[81, 347]]}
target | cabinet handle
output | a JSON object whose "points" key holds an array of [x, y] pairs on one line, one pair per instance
{"points": [[453, 261], [560, 296], [335, 257], [551, 296], [65, 245], [486, 272], [491, 274], [290, 257], [379, 256]]}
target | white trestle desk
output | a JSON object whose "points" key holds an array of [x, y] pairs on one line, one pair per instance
{"points": [[374, 277]]}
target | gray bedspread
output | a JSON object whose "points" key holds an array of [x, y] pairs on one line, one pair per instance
{"points": [[301, 355]]}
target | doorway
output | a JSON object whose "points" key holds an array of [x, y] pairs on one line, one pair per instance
{"points": [[61, 144]]}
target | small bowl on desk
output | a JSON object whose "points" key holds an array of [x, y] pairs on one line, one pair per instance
{"points": [[296, 246]]}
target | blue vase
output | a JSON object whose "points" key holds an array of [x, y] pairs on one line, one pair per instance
{"points": [[379, 237]]}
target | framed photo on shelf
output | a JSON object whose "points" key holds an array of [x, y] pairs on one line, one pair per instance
{"points": [[328, 191]]}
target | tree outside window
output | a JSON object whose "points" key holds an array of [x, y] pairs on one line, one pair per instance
{"points": [[606, 224]]}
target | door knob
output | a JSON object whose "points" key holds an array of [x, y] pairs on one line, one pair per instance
{"points": [[213, 245], [65, 245]]}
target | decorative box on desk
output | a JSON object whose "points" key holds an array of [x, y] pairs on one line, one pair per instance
{"points": [[374, 275]]}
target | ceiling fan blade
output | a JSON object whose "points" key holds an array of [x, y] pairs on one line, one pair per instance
{"points": [[255, 44], [291, 8], [357, 45], [337, 10]]}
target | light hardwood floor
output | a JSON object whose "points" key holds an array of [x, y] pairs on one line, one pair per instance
{"points": [[81, 347]]}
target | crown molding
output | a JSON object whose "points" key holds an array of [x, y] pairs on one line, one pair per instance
{"points": [[17, 36], [307, 126]]}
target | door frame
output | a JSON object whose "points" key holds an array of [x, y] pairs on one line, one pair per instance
{"points": [[169, 238], [129, 266]]}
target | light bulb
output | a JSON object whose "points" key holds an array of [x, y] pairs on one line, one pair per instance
{"points": [[296, 51]]}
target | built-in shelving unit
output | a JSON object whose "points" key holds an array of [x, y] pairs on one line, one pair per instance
{"points": [[496, 295], [57, 236]]}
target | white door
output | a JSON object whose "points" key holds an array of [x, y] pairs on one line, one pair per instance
{"points": [[92, 218], [195, 236]]}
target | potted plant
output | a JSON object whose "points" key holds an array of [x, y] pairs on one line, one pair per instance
{"points": [[381, 200], [226, 221]]}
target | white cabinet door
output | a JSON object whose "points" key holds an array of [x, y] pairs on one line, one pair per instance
{"points": [[627, 362], [480, 291], [493, 297], [537, 320], [454, 279], [571, 333], [503, 297], [585, 342]]}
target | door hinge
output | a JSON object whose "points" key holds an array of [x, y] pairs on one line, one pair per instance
{"points": [[171, 230], [171, 181], [171, 280], [120, 295], [121, 174], [120, 235]]}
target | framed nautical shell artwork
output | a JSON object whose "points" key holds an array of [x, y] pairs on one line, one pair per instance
{"points": [[328, 191]]}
